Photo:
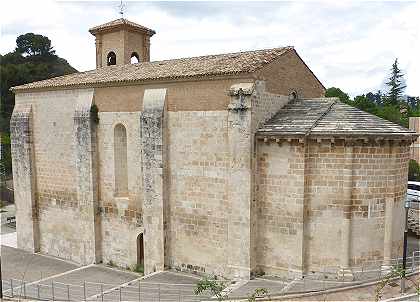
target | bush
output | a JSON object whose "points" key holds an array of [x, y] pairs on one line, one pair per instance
{"points": [[413, 171], [139, 268]]}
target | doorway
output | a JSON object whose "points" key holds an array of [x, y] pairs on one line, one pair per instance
{"points": [[140, 250]]}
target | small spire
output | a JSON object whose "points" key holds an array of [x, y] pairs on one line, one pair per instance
{"points": [[122, 8]]}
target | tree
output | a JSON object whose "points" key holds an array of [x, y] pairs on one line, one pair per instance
{"points": [[212, 286], [32, 60], [413, 170], [396, 85], [375, 97], [337, 92], [393, 113], [31, 44], [364, 103]]}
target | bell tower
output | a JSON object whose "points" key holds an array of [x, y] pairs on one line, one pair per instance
{"points": [[121, 42]]}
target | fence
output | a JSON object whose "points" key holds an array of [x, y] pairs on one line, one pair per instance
{"points": [[335, 277], [142, 290], [90, 291], [6, 194]]}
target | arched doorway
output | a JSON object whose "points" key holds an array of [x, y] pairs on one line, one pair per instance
{"points": [[140, 250]]}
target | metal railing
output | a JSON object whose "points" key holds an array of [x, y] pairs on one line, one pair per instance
{"points": [[143, 290], [336, 277], [136, 290]]}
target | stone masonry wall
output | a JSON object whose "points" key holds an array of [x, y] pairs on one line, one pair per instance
{"points": [[121, 216], [198, 168], [280, 190], [24, 175], [378, 176], [289, 73], [56, 182], [415, 147], [208, 95], [211, 183], [154, 135]]}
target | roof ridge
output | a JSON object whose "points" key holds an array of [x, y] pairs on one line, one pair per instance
{"points": [[320, 117], [285, 48], [215, 64]]}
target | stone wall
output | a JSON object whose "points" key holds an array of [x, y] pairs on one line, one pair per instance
{"points": [[154, 133], [280, 199], [121, 215], [24, 175], [344, 189], [198, 169], [200, 95], [290, 73], [56, 175], [414, 124], [123, 43]]}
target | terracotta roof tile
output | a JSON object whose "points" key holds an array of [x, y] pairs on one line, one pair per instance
{"points": [[118, 23], [328, 116], [212, 65]]}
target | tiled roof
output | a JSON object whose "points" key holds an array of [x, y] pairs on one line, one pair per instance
{"points": [[213, 65], [118, 23], [328, 116]]}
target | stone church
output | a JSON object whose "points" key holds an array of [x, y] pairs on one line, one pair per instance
{"points": [[228, 164]]}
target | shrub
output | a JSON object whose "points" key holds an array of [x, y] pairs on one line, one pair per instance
{"points": [[413, 171], [139, 268]]}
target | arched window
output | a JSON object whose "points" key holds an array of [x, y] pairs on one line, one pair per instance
{"points": [[134, 58], [293, 95], [120, 161], [111, 59]]}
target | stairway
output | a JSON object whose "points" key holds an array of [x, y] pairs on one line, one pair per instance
{"points": [[413, 221]]}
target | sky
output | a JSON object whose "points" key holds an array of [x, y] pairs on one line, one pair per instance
{"points": [[347, 44]]}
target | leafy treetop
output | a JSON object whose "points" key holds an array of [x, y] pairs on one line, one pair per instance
{"points": [[31, 44], [396, 85]]}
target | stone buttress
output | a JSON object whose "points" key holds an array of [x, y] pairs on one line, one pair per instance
{"points": [[153, 142], [87, 178], [24, 178]]}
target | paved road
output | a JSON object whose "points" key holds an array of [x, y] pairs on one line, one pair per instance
{"points": [[50, 278], [22, 265]]}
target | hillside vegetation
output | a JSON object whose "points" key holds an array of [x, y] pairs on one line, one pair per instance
{"points": [[33, 59]]}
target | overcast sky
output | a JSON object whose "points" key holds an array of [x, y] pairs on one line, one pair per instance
{"points": [[347, 44]]}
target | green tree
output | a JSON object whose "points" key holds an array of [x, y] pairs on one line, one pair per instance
{"points": [[395, 85], [393, 113], [413, 171], [337, 92], [32, 60], [212, 286], [31, 44], [365, 104]]}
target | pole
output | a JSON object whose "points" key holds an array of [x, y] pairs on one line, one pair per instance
{"points": [[139, 292], [1, 283], [406, 206], [84, 290]]}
